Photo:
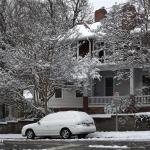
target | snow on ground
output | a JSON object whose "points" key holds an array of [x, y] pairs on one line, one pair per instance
{"points": [[11, 136], [107, 146], [125, 136], [97, 136]]}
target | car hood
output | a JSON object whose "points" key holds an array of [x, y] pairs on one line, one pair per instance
{"points": [[29, 125]]}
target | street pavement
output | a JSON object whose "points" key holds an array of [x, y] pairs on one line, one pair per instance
{"points": [[72, 144]]}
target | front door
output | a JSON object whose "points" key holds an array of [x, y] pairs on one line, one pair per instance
{"points": [[109, 86]]}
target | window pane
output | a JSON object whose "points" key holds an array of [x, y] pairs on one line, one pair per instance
{"points": [[83, 48], [79, 94], [58, 93], [146, 85], [101, 56]]}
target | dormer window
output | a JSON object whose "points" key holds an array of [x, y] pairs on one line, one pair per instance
{"points": [[146, 85], [98, 45], [101, 56], [99, 50], [83, 48]]}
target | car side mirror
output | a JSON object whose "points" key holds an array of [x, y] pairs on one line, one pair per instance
{"points": [[38, 122]]}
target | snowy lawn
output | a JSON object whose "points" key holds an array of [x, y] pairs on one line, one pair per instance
{"points": [[125, 135], [118, 136]]}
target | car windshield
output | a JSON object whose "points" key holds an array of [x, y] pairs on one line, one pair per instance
{"points": [[52, 116]]}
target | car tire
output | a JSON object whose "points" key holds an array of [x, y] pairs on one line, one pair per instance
{"points": [[65, 133], [30, 134], [80, 136]]}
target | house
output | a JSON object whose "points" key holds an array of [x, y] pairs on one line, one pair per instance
{"points": [[106, 91], [68, 98]]}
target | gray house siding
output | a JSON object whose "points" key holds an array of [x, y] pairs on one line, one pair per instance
{"points": [[122, 86], [68, 100]]}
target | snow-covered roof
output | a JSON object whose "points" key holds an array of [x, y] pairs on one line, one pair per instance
{"points": [[84, 31]]}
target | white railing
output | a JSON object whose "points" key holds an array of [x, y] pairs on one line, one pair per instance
{"points": [[144, 99], [102, 100]]}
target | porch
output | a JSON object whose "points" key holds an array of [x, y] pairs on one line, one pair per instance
{"points": [[104, 91]]}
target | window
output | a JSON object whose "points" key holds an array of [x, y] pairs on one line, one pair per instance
{"points": [[101, 56], [99, 45], [83, 48], [146, 85], [79, 94], [58, 93], [99, 50]]}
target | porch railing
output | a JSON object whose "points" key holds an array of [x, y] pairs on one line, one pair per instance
{"points": [[144, 99]]}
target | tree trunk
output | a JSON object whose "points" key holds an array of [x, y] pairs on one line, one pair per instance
{"points": [[45, 106]]}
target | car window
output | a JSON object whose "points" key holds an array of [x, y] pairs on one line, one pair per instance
{"points": [[84, 117]]}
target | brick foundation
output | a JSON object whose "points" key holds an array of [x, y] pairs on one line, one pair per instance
{"points": [[96, 110]]}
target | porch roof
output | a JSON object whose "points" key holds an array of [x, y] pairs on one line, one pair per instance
{"points": [[112, 66]]}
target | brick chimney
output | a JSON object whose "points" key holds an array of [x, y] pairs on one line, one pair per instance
{"points": [[100, 14]]}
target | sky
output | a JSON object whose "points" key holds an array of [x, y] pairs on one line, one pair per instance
{"points": [[106, 3]]}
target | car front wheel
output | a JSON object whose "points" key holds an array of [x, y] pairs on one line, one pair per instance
{"points": [[30, 134], [65, 133]]}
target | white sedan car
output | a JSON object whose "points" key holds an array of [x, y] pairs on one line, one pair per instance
{"points": [[64, 124]]}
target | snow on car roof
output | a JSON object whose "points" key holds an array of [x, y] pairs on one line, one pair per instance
{"points": [[70, 115]]}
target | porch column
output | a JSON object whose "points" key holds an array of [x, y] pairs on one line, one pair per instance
{"points": [[90, 50], [85, 99], [77, 49], [132, 81], [10, 112]]}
